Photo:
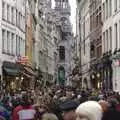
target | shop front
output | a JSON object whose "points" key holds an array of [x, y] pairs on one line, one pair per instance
{"points": [[11, 74], [116, 71], [107, 71], [29, 76], [17, 77], [96, 75]]}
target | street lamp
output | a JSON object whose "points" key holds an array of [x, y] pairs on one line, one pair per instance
{"points": [[98, 75], [93, 77], [17, 78]]}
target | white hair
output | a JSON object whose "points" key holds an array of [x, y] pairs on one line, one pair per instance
{"points": [[91, 109]]}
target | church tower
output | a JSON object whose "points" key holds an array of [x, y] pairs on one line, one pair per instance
{"points": [[62, 9], [62, 6]]}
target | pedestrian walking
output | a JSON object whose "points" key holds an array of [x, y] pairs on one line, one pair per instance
{"points": [[24, 111], [68, 109], [49, 116]]}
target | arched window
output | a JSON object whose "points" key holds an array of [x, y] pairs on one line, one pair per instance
{"points": [[62, 53]]}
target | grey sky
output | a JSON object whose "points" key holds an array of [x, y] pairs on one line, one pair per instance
{"points": [[73, 14]]}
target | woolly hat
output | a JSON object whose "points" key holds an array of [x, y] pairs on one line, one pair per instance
{"points": [[91, 109]]}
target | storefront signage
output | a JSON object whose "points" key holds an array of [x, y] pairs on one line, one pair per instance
{"points": [[22, 60]]}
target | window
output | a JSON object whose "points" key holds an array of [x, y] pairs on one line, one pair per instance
{"points": [[106, 9], [19, 19], [92, 49], [62, 53], [21, 22], [8, 41], [116, 36], [12, 43], [16, 17], [119, 4], [84, 30], [104, 42], [91, 23], [97, 18], [115, 5], [8, 13], [3, 41], [84, 46], [107, 41], [110, 7], [23, 48], [3, 10], [12, 15], [110, 31], [100, 18], [64, 5], [99, 51], [104, 12], [17, 46]]}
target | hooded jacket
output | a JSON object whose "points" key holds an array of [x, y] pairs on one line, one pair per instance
{"points": [[91, 110]]}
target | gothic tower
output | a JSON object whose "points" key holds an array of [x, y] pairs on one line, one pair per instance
{"points": [[62, 8]]}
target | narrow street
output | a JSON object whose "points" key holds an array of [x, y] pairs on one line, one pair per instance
{"points": [[60, 60]]}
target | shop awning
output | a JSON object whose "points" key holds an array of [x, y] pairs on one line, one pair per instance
{"points": [[29, 71], [12, 72], [11, 69], [26, 75]]}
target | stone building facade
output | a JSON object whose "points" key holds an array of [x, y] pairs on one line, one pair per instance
{"points": [[110, 43], [83, 40], [96, 43], [62, 12], [89, 41], [12, 40]]}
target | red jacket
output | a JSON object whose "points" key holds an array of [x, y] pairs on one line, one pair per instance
{"points": [[18, 109]]}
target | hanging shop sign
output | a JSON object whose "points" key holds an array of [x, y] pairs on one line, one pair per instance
{"points": [[22, 60]]}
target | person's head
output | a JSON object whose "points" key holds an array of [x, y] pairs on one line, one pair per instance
{"points": [[89, 110], [104, 105], [68, 109], [112, 103], [25, 100], [69, 115], [49, 116]]}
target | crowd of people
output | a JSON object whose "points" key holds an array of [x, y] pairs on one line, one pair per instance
{"points": [[60, 103]]}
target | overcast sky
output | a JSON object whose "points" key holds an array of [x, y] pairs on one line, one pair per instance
{"points": [[73, 13]]}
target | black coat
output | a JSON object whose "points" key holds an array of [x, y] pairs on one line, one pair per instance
{"points": [[111, 114]]}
